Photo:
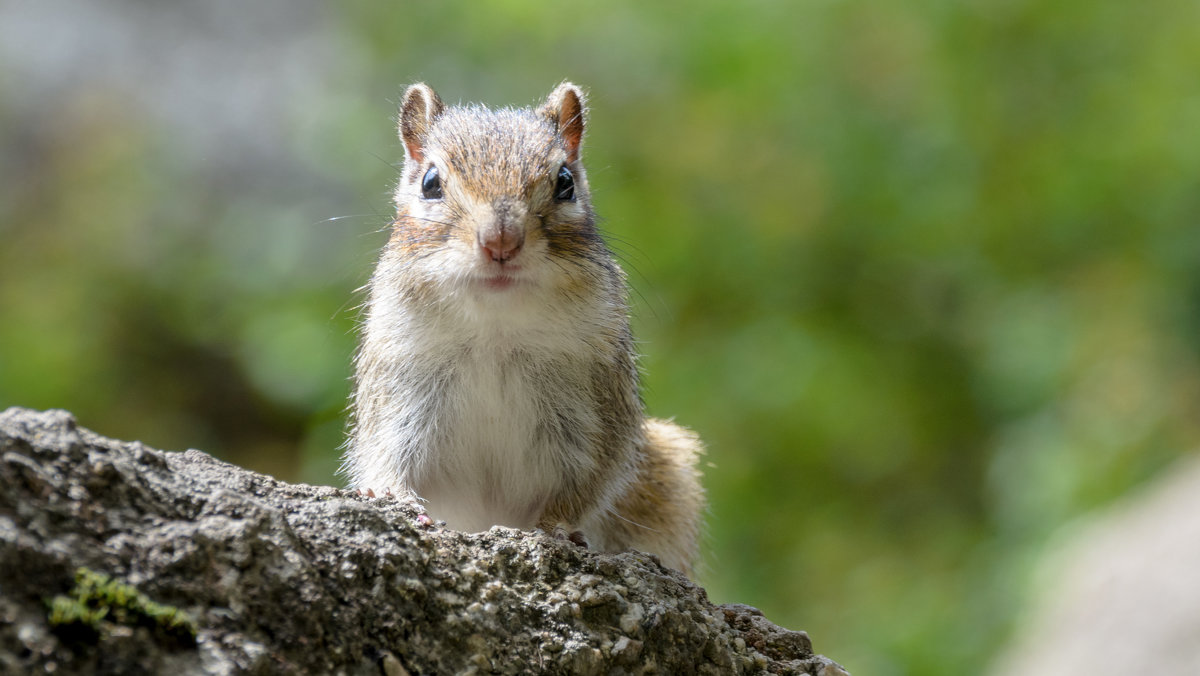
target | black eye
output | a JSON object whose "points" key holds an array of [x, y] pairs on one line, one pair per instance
{"points": [[564, 187], [431, 185]]}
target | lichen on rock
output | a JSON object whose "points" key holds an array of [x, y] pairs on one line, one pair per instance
{"points": [[98, 604]]}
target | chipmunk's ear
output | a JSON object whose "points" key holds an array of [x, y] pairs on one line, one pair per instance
{"points": [[420, 108], [564, 109]]}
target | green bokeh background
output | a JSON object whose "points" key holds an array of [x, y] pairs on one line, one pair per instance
{"points": [[925, 276]]}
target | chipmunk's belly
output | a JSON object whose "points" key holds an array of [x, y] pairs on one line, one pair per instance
{"points": [[494, 464]]}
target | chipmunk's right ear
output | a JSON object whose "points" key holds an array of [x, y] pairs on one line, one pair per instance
{"points": [[420, 108]]}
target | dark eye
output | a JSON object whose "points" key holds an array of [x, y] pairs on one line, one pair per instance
{"points": [[431, 185], [564, 187]]}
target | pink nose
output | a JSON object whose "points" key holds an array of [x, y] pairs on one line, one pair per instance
{"points": [[502, 244]]}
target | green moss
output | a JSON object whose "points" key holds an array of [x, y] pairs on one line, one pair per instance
{"points": [[98, 601]]}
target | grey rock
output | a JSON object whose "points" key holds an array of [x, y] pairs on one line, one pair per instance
{"points": [[286, 578]]}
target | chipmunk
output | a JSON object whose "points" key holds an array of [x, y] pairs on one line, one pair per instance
{"points": [[496, 379]]}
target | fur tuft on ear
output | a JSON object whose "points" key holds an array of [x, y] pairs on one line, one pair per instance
{"points": [[565, 110], [420, 108]]}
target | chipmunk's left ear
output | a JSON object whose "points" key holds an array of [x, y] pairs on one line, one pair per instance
{"points": [[564, 109]]}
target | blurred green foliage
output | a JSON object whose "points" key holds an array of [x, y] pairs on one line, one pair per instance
{"points": [[925, 276]]}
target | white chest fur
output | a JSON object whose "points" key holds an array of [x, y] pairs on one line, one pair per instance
{"points": [[493, 465], [488, 417]]}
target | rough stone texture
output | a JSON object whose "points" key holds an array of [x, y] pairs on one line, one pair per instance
{"points": [[283, 578]]}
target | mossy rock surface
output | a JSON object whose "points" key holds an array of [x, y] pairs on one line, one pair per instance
{"points": [[98, 604]]}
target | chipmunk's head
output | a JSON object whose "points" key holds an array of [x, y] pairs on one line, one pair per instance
{"points": [[495, 199]]}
